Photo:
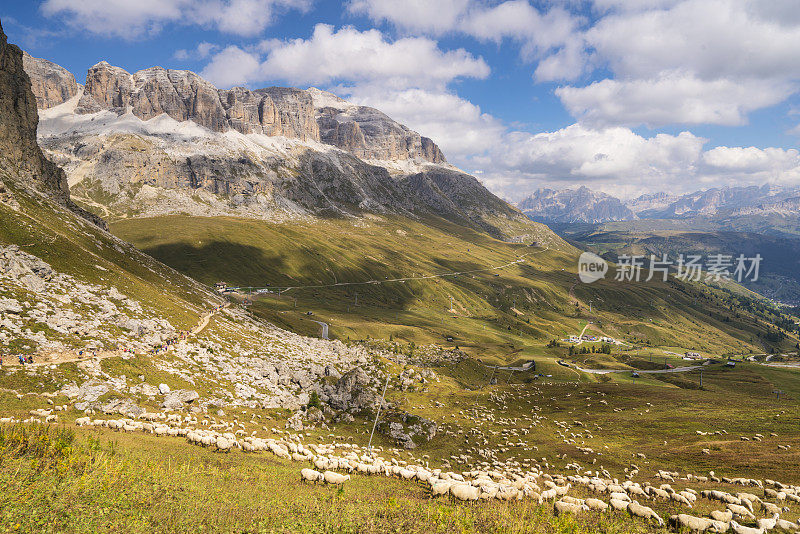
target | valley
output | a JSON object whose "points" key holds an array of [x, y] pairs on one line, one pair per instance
{"points": [[273, 310]]}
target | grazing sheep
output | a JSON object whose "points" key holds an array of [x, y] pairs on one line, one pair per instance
{"points": [[561, 507], [788, 526], [617, 504], [441, 487], [768, 523], [335, 478], [465, 492], [596, 504], [741, 511], [223, 445], [719, 515], [741, 529], [310, 475], [645, 512], [695, 524]]}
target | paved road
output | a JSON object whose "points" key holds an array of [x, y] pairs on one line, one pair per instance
{"points": [[324, 329], [520, 259], [523, 367], [646, 372]]}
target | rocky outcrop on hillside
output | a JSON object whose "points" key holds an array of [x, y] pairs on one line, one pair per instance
{"points": [[21, 159], [52, 84]]}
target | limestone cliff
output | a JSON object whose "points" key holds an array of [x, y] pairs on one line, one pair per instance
{"points": [[52, 84], [21, 159]]}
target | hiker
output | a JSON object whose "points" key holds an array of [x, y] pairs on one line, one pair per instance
{"points": [[21, 359], [30, 359]]}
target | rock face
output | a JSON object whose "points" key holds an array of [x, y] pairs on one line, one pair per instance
{"points": [[409, 431], [307, 115], [181, 94], [21, 159], [52, 84], [369, 133], [354, 393], [19, 153]]}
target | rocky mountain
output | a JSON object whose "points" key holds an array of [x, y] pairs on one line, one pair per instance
{"points": [[52, 84], [580, 205], [716, 201], [21, 159], [163, 141]]}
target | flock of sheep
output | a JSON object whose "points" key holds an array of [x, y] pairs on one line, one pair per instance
{"points": [[599, 493]]}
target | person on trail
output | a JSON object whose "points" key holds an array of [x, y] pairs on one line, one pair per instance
{"points": [[21, 359], [30, 359]]}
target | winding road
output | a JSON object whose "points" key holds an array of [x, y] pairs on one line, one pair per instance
{"points": [[324, 334], [640, 371], [282, 290]]}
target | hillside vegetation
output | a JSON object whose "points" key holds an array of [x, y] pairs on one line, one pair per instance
{"points": [[498, 309]]}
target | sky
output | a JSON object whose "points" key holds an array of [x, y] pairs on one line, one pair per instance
{"points": [[622, 96]]}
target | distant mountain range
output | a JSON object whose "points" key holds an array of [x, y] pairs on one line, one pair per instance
{"points": [[768, 209], [733, 220]]}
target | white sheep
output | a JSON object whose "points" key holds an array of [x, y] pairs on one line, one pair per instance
{"points": [[645, 512], [335, 478], [741, 529], [310, 475]]}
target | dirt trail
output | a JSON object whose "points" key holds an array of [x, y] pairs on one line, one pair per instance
{"points": [[50, 358]]}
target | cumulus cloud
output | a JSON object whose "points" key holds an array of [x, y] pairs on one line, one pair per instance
{"points": [[674, 98], [537, 31], [413, 15], [680, 61], [349, 54], [201, 51], [620, 162], [458, 126], [232, 66], [131, 19]]}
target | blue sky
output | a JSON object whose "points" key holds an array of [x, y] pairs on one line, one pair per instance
{"points": [[624, 96]]}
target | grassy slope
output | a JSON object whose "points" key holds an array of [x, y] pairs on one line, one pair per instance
{"points": [[482, 321]]}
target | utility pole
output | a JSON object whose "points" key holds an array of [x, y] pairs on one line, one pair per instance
{"points": [[378, 414], [701, 378]]}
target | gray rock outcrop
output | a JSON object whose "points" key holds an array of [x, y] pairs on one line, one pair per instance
{"points": [[175, 400], [354, 392], [409, 431], [51, 84], [20, 155]]}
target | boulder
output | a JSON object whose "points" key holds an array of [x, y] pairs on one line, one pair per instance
{"points": [[175, 400]]}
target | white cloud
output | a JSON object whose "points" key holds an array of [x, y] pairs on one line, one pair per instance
{"points": [[680, 61], [130, 19], [201, 51], [421, 16], [348, 54], [753, 160], [674, 98], [620, 162], [459, 127], [232, 66]]}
